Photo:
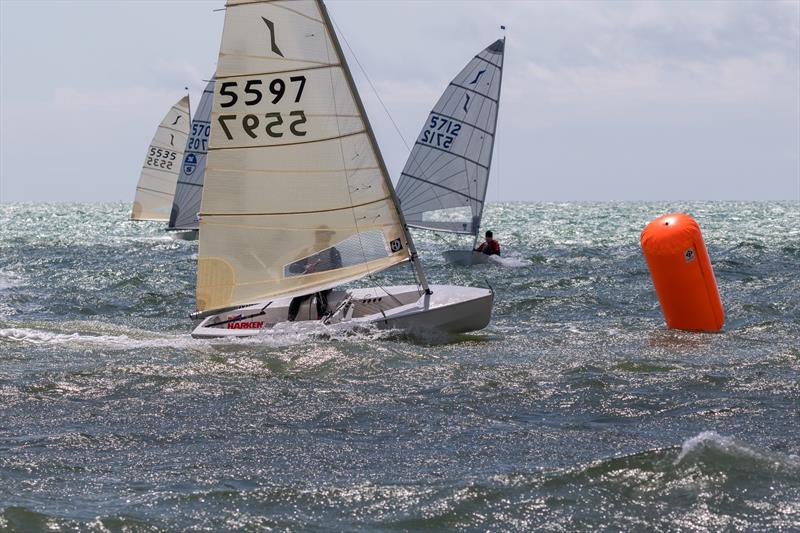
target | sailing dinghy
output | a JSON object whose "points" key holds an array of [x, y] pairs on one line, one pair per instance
{"points": [[297, 200], [443, 184], [184, 218], [156, 185]]}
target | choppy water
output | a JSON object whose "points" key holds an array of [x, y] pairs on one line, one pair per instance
{"points": [[575, 409]]}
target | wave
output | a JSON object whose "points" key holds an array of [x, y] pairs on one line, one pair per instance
{"points": [[10, 280], [712, 445]]}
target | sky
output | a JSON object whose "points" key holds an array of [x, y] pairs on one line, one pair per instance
{"points": [[601, 101]]}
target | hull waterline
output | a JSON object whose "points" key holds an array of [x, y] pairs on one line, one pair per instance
{"points": [[184, 235], [449, 309]]}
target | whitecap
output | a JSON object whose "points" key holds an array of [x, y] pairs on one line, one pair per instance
{"points": [[711, 440], [122, 342], [10, 280], [509, 262]]}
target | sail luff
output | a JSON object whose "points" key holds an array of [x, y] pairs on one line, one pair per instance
{"points": [[415, 259]]}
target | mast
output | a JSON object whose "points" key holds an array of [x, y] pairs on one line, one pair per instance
{"points": [[416, 261], [496, 115]]}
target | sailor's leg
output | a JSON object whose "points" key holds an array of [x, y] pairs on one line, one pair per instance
{"points": [[322, 302]]}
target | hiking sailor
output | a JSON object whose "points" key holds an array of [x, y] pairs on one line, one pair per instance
{"points": [[489, 246], [327, 259]]}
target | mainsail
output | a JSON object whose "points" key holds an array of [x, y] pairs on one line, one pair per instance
{"points": [[161, 165], [189, 190], [443, 185], [296, 197]]}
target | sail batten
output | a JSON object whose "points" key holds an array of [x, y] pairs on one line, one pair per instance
{"points": [[157, 181], [444, 182], [296, 197]]}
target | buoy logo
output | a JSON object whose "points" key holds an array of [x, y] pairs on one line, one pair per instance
{"points": [[688, 255]]}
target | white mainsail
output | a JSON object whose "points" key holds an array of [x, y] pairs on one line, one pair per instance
{"points": [[189, 189], [294, 176], [443, 184], [161, 165]]}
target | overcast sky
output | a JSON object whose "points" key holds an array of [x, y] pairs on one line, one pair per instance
{"points": [[601, 100]]}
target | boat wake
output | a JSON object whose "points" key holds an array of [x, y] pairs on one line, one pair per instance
{"points": [[108, 336], [120, 342], [509, 262]]}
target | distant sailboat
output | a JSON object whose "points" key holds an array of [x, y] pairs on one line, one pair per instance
{"points": [[443, 185], [183, 220], [297, 200], [161, 165]]}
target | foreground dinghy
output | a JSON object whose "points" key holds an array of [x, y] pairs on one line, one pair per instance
{"points": [[156, 185], [297, 200], [443, 185], [183, 220]]}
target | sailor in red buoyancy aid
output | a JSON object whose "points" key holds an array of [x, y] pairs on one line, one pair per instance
{"points": [[489, 246]]}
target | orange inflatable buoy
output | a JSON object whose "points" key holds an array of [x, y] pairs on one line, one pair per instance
{"points": [[682, 275]]}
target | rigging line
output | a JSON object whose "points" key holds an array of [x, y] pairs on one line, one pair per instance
{"points": [[413, 197], [392, 296], [345, 68], [374, 90]]}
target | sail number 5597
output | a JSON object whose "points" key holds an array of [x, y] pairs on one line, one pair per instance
{"points": [[273, 124], [253, 93], [254, 90]]}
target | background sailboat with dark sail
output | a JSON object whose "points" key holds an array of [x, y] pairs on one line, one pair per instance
{"points": [[156, 186], [444, 182], [297, 199], [184, 220]]}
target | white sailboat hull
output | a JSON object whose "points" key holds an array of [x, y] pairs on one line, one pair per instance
{"points": [[449, 309], [465, 257]]}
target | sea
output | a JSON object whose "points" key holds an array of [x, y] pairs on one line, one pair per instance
{"points": [[575, 409]]}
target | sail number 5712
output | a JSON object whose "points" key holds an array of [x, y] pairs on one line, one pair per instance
{"points": [[440, 132]]}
